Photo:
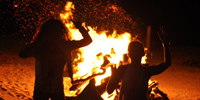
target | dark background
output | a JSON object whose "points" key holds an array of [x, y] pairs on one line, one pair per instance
{"points": [[179, 18]]}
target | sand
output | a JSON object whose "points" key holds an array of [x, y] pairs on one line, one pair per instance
{"points": [[181, 81]]}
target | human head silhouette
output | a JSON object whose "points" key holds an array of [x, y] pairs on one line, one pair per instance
{"points": [[135, 50], [51, 30]]}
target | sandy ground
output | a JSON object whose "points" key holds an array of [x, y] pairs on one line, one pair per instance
{"points": [[179, 82]]}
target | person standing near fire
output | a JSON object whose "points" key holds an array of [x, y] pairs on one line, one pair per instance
{"points": [[51, 52], [135, 76]]}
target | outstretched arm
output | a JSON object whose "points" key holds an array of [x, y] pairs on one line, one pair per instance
{"points": [[77, 44], [165, 43], [113, 82], [153, 70], [115, 78], [86, 37]]}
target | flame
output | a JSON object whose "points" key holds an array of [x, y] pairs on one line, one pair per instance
{"points": [[93, 55], [102, 44], [106, 96], [143, 61], [68, 13]]}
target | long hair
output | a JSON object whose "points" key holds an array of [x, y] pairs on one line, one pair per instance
{"points": [[51, 26]]}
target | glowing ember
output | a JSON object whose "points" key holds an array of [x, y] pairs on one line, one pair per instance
{"points": [[106, 15]]}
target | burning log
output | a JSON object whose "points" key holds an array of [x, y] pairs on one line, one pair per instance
{"points": [[104, 66], [80, 82], [162, 94], [90, 92], [102, 88], [155, 93], [152, 85]]}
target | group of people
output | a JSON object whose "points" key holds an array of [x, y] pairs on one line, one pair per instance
{"points": [[52, 51]]}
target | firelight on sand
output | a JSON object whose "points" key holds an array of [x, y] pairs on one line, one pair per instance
{"points": [[113, 45]]}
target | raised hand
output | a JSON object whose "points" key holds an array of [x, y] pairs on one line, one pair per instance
{"points": [[162, 35], [77, 24], [113, 69]]}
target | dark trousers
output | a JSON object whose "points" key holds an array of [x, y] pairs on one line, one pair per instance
{"points": [[38, 95]]}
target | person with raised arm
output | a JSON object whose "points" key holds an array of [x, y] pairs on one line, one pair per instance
{"points": [[51, 52], [135, 76]]}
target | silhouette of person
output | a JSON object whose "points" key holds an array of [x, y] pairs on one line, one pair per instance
{"points": [[135, 76], [51, 52]]}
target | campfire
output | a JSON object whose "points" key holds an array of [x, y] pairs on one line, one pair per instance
{"points": [[94, 61]]}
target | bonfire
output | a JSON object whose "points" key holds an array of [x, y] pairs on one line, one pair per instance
{"points": [[92, 64]]}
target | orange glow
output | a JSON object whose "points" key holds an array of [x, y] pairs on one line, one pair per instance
{"points": [[114, 8], [143, 61], [113, 45]]}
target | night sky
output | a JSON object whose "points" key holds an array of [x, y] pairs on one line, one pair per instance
{"points": [[179, 18]]}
